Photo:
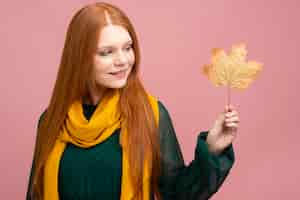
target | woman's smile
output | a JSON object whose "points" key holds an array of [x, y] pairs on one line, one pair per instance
{"points": [[120, 74]]}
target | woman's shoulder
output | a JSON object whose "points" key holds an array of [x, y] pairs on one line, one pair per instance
{"points": [[163, 110], [41, 117], [165, 120]]}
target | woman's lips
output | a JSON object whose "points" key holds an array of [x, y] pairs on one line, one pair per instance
{"points": [[120, 74]]}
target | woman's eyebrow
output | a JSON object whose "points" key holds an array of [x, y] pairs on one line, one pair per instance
{"points": [[109, 46]]}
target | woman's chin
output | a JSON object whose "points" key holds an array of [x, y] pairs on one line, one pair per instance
{"points": [[117, 84]]}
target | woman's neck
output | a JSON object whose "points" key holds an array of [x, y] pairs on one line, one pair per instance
{"points": [[94, 96]]}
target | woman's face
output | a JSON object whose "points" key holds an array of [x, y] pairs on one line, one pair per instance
{"points": [[114, 58]]}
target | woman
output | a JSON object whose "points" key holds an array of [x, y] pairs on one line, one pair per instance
{"points": [[104, 137]]}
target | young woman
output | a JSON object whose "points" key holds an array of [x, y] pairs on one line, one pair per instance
{"points": [[104, 137]]}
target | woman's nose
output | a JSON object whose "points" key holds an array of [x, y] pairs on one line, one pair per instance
{"points": [[120, 59]]}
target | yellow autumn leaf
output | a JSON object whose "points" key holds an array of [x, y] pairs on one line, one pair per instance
{"points": [[231, 70]]}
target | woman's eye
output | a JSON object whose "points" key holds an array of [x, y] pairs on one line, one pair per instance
{"points": [[128, 48], [105, 53]]}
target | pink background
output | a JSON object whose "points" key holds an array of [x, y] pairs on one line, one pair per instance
{"points": [[176, 38]]}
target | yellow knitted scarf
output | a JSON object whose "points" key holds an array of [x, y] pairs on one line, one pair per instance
{"points": [[83, 133]]}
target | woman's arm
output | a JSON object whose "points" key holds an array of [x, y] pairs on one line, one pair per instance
{"points": [[202, 177]]}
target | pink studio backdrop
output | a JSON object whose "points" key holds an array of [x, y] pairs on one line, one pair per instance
{"points": [[176, 38]]}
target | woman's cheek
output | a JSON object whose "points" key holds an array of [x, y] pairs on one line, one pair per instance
{"points": [[103, 64], [131, 58]]}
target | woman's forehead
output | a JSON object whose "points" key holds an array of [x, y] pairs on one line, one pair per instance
{"points": [[113, 35]]}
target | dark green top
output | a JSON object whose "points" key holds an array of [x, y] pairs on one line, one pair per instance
{"points": [[95, 173]]}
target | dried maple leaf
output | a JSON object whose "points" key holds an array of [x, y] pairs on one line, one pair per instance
{"points": [[232, 70]]}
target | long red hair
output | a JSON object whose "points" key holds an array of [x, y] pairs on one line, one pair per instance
{"points": [[75, 75]]}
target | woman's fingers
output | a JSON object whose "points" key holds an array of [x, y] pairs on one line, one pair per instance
{"points": [[232, 125], [232, 119], [231, 113]]}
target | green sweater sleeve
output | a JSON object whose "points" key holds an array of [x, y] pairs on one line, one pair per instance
{"points": [[198, 180]]}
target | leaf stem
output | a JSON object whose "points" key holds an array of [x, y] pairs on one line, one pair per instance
{"points": [[228, 95]]}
